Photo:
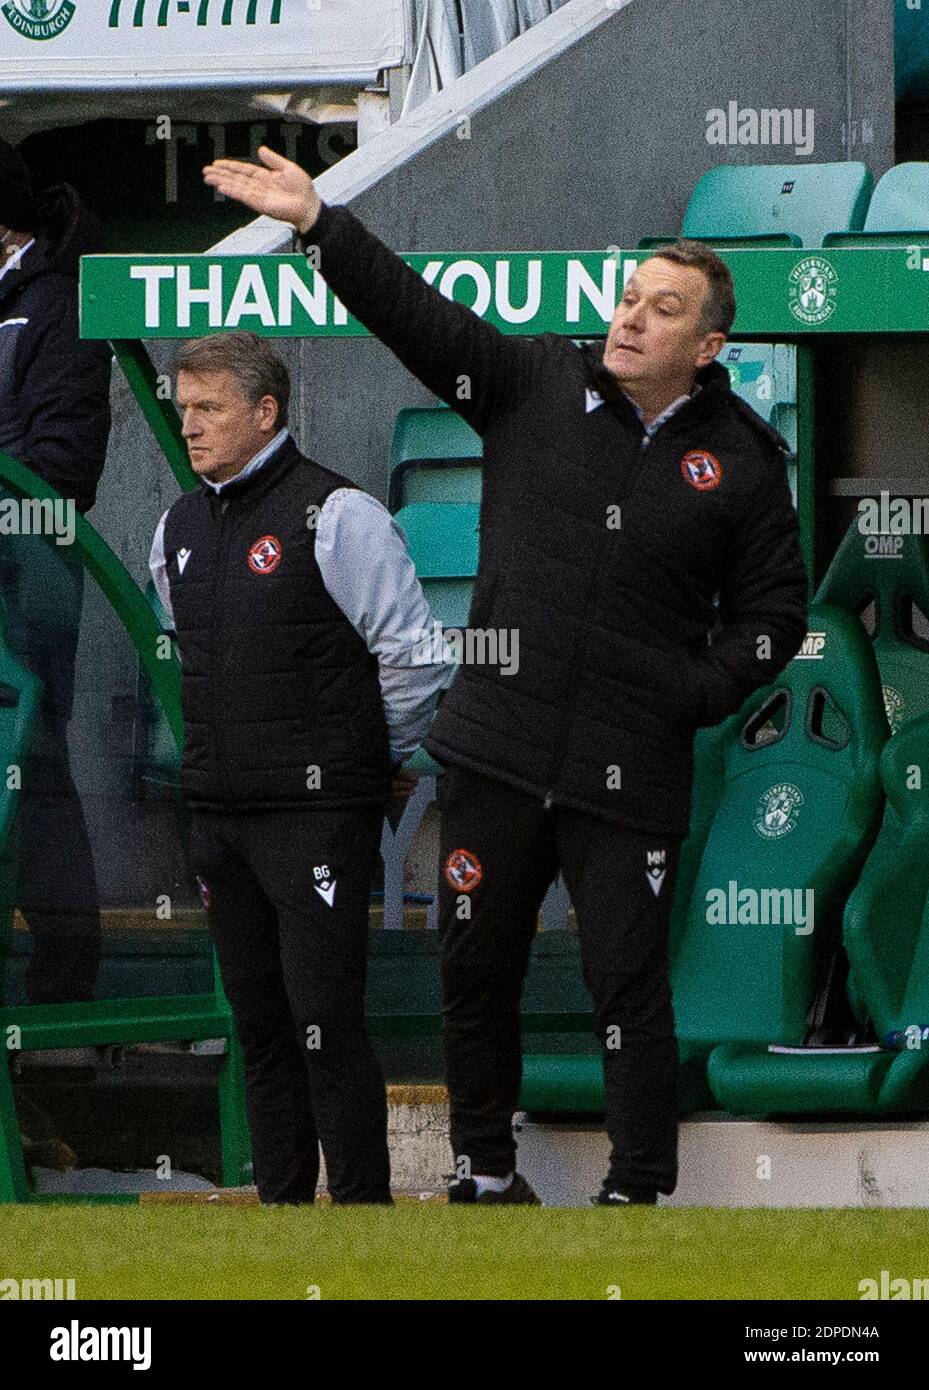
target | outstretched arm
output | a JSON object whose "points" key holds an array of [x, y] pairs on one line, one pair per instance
{"points": [[466, 362]]}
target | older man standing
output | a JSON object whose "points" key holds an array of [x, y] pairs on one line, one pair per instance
{"points": [[624, 486], [296, 609]]}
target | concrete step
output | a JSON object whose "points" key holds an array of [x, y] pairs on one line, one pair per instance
{"points": [[724, 1161]]}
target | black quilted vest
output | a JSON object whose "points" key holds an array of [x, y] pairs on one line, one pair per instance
{"points": [[281, 697]]}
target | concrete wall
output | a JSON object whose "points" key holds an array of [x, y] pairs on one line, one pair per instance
{"points": [[588, 130]]}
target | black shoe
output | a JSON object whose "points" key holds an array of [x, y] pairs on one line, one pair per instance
{"points": [[612, 1196], [519, 1192]]}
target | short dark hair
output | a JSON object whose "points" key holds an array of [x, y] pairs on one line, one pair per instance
{"points": [[253, 362], [718, 313]]}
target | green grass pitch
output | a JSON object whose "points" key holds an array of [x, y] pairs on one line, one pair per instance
{"points": [[427, 1251]]}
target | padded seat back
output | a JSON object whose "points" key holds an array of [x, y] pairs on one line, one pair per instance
{"points": [[798, 809], [885, 580], [886, 924], [791, 204], [434, 457], [443, 541], [898, 211]]}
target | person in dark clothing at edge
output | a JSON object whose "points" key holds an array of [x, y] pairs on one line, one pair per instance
{"points": [[55, 418], [624, 487], [293, 598]]}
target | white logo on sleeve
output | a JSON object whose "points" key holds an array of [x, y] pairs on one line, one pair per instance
{"points": [[592, 399], [183, 555], [325, 884], [657, 861]]}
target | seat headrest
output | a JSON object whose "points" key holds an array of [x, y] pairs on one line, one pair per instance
{"points": [[826, 706]]}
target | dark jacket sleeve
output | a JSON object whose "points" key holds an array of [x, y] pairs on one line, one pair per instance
{"points": [[764, 594], [64, 398], [466, 362]]}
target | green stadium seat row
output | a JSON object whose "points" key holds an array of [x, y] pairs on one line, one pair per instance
{"points": [[885, 927], [886, 936], [806, 205], [809, 788], [898, 208]]}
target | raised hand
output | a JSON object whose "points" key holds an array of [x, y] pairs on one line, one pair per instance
{"points": [[280, 189]]}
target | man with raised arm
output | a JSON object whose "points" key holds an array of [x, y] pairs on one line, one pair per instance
{"points": [[624, 487]]}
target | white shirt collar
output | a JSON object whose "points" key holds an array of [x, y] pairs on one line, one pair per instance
{"points": [[665, 415], [11, 261], [253, 464]]}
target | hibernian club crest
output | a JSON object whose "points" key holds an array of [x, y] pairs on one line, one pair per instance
{"points": [[38, 19], [777, 810], [812, 290]]}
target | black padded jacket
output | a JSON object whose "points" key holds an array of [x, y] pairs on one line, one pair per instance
{"points": [[602, 555]]}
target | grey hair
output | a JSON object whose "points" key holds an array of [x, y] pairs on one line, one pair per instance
{"points": [[253, 362]]}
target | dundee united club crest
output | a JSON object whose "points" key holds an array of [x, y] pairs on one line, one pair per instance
{"points": [[701, 469], [265, 555], [463, 870], [38, 19]]}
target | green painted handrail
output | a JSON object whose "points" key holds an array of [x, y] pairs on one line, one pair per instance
{"points": [[124, 595], [160, 412]]}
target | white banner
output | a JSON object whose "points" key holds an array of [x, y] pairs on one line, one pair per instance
{"points": [[68, 45]]}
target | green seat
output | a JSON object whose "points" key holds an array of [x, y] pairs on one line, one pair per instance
{"points": [[886, 935], [443, 541], [785, 393], [434, 457], [442, 538], [776, 204], [898, 212], [764, 376], [799, 807], [885, 581], [192, 1017], [751, 372]]}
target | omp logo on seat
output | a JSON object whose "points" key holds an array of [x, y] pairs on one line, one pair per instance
{"points": [[812, 647]]}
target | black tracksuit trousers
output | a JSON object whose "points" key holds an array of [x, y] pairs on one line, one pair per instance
{"points": [[500, 850], [287, 897]]}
